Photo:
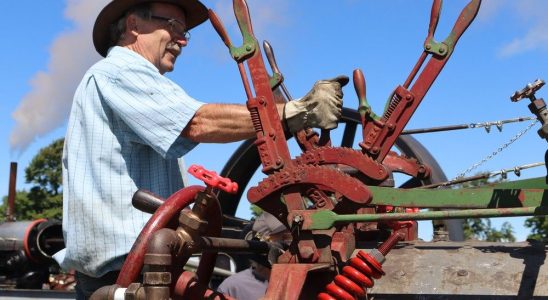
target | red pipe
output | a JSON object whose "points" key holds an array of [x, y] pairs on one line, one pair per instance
{"points": [[26, 239], [169, 209]]}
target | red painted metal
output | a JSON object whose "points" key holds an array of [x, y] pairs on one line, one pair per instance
{"points": [[287, 280], [379, 135], [359, 273], [163, 215], [213, 180], [26, 239], [409, 166]]}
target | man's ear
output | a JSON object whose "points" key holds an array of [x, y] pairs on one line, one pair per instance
{"points": [[132, 25]]}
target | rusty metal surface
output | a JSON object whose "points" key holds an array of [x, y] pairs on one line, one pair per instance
{"points": [[10, 214], [468, 268]]}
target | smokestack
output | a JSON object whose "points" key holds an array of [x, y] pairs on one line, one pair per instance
{"points": [[10, 216]]}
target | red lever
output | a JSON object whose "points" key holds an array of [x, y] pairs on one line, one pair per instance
{"points": [[211, 179]]}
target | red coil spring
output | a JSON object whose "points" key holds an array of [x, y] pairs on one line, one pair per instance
{"points": [[356, 276]]}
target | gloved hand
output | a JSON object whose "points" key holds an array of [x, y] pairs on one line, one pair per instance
{"points": [[320, 108]]}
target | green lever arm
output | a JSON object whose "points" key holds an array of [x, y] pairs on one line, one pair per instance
{"points": [[521, 193], [325, 219]]}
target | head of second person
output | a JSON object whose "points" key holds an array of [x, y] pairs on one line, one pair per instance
{"points": [[155, 29]]}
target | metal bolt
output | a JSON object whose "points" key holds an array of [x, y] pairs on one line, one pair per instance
{"points": [[442, 50], [306, 252], [428, 47], [385, 247], [248, 48], [298, 219]]}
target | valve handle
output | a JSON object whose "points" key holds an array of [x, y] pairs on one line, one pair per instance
{"points": [[212, 180], [528, 91]]}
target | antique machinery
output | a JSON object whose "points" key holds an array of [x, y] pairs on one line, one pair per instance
{"points": [[27, 247], [340, 204]]}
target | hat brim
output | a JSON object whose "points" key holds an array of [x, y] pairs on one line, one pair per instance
{"points": [[196, 14]]}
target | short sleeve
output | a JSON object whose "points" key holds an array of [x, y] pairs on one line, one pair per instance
{"points": [[153, 107]]}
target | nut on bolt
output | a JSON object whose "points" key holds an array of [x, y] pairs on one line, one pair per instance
{"points": [[192, 222]]}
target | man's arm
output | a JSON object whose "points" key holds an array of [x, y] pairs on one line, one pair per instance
{"points": [[224, 123], [221, 123]]}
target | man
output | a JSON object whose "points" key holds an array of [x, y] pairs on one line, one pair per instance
{"points": [[129, 124], [251, 283]]}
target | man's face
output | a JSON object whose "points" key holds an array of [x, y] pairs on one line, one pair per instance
{"points": [[160, 39]]}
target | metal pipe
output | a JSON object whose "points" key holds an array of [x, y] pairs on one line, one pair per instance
{"points": [[233, 245], [10, 215], [452, 214], [326, 219], [216, 270], [165, 213]]}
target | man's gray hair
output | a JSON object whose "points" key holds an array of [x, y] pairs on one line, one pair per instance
{"points": [[118, 28]]}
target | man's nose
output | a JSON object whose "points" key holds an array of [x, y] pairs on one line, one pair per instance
{"points": [[182, 42]]}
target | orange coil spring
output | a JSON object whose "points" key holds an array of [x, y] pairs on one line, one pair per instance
{"points": [[355, 277]]}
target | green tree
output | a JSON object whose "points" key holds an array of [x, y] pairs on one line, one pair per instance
{"points": [[481, 229], [44, 199], [539, 228]]}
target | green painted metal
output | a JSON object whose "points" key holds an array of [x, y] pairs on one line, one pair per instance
{"points": [[522, 193], [531, 183], [275, 80], [433, 47], [325, 219], [250, 44]]}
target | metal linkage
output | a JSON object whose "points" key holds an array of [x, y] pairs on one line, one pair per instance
{"points": [[503, 173], [494, 153], [487, 125], [379, 135]]}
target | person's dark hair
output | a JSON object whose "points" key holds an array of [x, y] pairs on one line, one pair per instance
{"points": [[118, 28]]}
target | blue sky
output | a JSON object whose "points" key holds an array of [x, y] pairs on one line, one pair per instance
{"points": [[47, 48]]}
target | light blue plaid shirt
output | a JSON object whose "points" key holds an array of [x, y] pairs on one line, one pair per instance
{"points": [[123, 134]]}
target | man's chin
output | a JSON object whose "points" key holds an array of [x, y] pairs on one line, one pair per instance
{"points": [[168, 67]]}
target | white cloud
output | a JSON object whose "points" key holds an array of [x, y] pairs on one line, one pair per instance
{"points": [[532, 14], [47, 105]]}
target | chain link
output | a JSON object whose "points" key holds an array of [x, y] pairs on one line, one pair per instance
{"points": [[500, 149]]}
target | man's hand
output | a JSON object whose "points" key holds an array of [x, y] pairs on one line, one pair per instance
{"points": [[320, 108]]}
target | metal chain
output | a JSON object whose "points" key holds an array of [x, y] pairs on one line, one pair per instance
{"points": [[500, 149]]}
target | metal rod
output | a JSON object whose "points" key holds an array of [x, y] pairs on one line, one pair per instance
{"points": [[217, 271], [233, 245], [453, 214], [10, 215], [467, 126], [326, 219], [503, 172]]}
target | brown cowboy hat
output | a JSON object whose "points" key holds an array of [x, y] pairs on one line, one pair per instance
{"points": [[196, 14]]}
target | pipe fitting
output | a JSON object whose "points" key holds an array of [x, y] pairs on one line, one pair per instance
{"points": [[105, 293]]}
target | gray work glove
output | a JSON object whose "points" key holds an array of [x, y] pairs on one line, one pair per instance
{"points": [[320, 108]]}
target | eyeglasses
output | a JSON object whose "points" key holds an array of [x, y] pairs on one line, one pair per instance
{"points": [[177, 28]]}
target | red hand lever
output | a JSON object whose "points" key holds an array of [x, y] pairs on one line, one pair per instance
{"points": [[212, 180]]}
